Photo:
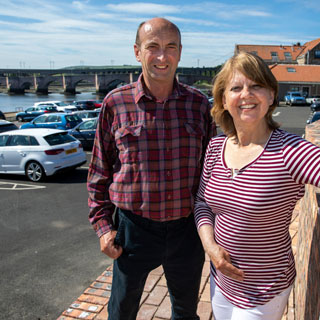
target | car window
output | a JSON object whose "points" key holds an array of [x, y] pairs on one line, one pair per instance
{"points": [[73, 117], [40, 119], [59, 138], [3, 140], [53, 118], [20, 140], [88, 125]]}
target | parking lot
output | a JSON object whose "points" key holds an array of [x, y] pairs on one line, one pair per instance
{"points": [[49, 252]]}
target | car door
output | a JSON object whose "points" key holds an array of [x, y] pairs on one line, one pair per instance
{"points": [[16, 150], [53, 121], [39, 122], [3, 142]]}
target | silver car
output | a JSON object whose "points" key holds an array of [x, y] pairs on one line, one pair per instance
{"points": [[38, 153]]}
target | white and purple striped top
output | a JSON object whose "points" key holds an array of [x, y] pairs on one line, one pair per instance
{"points": [[251, 213]]}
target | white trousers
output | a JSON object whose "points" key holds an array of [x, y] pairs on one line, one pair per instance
{"points": [[225, 310]]}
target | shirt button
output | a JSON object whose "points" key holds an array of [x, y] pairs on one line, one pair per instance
{"points": [[169, 196]]}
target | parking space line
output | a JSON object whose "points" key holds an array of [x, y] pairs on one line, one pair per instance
{"points": [[18, 186]]}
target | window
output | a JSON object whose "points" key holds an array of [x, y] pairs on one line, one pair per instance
{"points": [[274, 56], [254, 52], [41, 119], [288, 56], [291, 69], [3, 140], [317, 54], [53, 119], [59, 138]]}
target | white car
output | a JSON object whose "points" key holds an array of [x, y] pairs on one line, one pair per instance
{"points": [[38, 153], [60, 105]]}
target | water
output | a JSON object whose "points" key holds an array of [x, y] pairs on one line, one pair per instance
{"points": [[17, 103]]}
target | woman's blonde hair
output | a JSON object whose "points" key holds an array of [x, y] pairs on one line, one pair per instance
{"points": [[255, 69]]}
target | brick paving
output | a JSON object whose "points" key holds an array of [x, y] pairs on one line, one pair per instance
{"points": [[155, 302]]}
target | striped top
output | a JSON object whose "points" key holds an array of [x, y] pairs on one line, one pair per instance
{"points": [[251, 213], [147, 156]]}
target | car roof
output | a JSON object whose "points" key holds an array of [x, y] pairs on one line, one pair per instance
{"points": [[5, 122], [33, 132]]}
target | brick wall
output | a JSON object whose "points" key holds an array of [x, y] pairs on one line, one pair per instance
{"points": [[307, 285]]}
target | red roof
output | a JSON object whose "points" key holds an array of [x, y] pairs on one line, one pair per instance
{"points": [[308, 46], [296, 73], [264, 51]]}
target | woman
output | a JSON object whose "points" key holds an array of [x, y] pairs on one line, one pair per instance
{"points": [[253, 176]]}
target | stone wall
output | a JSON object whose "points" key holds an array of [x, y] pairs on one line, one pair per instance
{"points": [[307, 285]]}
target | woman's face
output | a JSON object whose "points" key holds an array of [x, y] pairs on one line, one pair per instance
{"points": [[246, 101]]}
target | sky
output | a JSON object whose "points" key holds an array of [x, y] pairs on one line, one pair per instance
{"points": [[51, 34]]}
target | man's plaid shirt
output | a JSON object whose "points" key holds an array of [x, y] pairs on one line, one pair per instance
{"points": [[147, 156]]}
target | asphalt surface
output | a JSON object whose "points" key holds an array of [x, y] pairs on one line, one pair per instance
{"points": [[49, 252]]}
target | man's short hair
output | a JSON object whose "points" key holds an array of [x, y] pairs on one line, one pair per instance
{"points": [[171, 25]]}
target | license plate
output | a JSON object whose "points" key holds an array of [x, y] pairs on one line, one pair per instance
{"points": [[71, 151]]}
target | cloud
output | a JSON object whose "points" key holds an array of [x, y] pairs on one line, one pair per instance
{"points": [[141, 7]]}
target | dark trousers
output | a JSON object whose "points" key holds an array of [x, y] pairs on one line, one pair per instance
{"points": [[146, 245]]}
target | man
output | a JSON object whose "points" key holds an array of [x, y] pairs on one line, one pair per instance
{"points": [[145, 168]]}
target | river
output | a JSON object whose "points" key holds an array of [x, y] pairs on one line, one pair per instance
{"points": [[16, 103]]}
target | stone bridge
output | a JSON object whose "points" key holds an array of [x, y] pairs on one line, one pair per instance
{"points": [[17, 81]]}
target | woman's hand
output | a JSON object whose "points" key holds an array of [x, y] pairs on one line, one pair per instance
{"points": [[218, 255]]}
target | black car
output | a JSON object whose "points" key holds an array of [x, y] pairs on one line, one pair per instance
{"points": [[2, 116], [7, 126], [314, 117], [85, 132], [315, 107], [85, 104]]}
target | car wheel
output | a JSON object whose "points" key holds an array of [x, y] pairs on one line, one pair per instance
{"points": [[19, 119], [34, 171]]}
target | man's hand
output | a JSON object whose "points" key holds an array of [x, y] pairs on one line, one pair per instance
{"points": [[108, 247]]}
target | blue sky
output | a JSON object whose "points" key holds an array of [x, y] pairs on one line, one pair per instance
{"points": [[60, 33]]}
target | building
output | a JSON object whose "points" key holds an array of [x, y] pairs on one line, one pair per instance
{"points": [[308, 53], [294, 77], [296, 67]]}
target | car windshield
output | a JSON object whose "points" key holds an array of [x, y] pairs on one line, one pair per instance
{"points": [[61, 104], [59, 138], [296, 94]]}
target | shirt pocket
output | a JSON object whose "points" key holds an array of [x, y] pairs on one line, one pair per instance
{"points": [[195, 136], [130, 141]]}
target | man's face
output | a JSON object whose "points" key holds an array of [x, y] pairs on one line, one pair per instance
{"points": [[159, 51]]}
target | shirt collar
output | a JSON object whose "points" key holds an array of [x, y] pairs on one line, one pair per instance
{"points": [[140, 91]]}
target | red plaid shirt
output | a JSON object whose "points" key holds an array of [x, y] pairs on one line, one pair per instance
{"points": [[147, 156]]}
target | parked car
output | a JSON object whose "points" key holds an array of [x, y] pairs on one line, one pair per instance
{"points": [[312, 99], [85, 132], [7, 126], [84, 104], [2, 116], [62, 121], [86, 115], [315, 106], [295, 98], [314, 117], [60, 105], [39, 153], [33, 112]]}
